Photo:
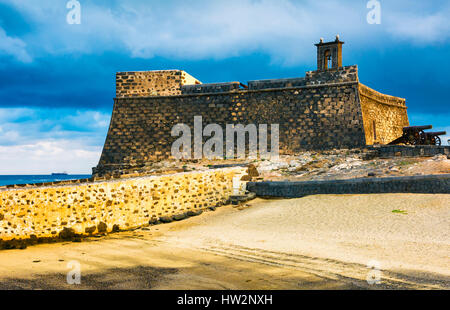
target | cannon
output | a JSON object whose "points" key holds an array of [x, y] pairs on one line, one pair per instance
{"points": [[412, 135], [432, 138]]}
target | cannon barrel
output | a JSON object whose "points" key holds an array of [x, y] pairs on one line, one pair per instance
{"points": [[436, 133], [418, 127]]}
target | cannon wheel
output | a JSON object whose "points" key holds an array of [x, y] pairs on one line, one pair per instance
{"points": [[437, 140], [410, 139], [418, 138]]}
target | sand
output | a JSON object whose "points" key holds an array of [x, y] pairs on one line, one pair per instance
{"points": [[315, 242]]}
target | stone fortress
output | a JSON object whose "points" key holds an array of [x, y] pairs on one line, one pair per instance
{"points": [[327, 108]]}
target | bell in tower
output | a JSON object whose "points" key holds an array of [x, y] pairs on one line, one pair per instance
{"points": [[329, 54]]}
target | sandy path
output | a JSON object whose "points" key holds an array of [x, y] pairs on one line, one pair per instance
{"points": [[315, 242]]}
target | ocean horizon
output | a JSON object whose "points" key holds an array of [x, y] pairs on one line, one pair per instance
{"points": [[38, 178]]}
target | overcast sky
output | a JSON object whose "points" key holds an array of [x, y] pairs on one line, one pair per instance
{"points": [[57, 79]]}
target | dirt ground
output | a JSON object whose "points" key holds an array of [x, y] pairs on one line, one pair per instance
{"points": [[332, 165], [315, 242]]}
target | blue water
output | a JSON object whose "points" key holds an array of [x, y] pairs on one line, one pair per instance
{"points": [[28, 179]]}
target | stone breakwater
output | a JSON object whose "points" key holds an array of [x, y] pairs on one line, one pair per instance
{"points": [[99, 207]]}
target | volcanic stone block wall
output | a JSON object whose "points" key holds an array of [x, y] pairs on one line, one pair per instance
{"points": [[384, 116], [310, 117], [152, 83], [324, 110], [99, 207]]}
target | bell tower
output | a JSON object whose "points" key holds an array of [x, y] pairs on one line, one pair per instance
{"points": [[329, 54]]}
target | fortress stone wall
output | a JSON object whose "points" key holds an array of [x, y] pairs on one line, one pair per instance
{"points": [[325, 109], [318, 114], [98, 207]]}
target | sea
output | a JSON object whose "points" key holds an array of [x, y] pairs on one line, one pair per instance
{"points": [[29, 179]]}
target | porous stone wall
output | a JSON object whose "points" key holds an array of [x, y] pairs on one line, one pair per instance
{"points": [[97, 207], [152, 83], [384, 116]]}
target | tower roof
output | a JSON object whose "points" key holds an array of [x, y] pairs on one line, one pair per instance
{"points": [[336, 41]]}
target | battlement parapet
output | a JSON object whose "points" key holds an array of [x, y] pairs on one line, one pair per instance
{"points": [[331, 76], [276, 83], [210, 88], [337, 75], [178, 82], [325, 109]]}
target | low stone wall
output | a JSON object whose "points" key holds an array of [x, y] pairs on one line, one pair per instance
{"points": [[276, 83], [411, 184], [387, 151], [97, 207], [338, 75], [210, 88]]}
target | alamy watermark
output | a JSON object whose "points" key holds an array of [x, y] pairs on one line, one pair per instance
{"points": [[74, 15], [74, 274], [374, 274], [214, 146], [374, 15]]}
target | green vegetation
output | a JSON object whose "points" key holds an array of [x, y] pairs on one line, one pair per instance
{"points": [[399, 211], [405, 162]]}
